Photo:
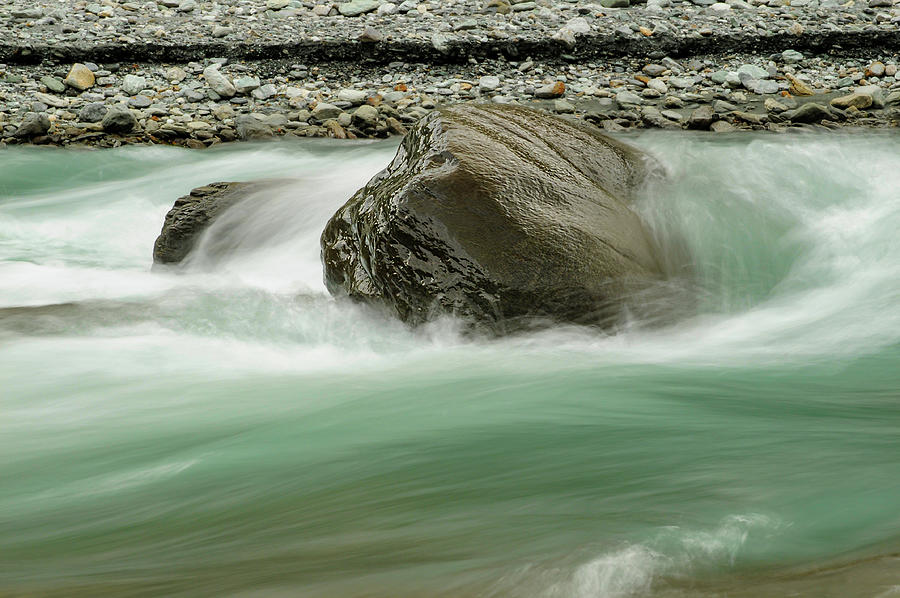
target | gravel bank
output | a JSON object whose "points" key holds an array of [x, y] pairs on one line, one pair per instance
{"points": [[198, 73]]}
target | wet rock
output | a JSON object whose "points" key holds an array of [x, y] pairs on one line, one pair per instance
{"points": [[194, 213], [495, 213]]}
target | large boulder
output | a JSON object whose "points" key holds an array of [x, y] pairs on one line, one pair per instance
{"points": [[500, 214], [194, 213]]}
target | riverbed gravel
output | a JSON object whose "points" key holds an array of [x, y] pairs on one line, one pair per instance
{"points": [[199, 73]]}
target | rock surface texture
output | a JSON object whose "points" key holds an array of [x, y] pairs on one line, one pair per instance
{"points": [[500, 214], [192, 214]]}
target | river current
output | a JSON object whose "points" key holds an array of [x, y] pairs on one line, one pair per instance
{"points": [[231, 430]]}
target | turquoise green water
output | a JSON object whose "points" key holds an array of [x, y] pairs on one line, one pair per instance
{"points": [[230, 430]]}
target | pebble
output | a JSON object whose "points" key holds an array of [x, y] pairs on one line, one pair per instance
{"points": [[218, 82], [80, 77], [551, 90]]}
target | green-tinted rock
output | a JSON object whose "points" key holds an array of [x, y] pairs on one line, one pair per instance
{"points": [[53, 84]]}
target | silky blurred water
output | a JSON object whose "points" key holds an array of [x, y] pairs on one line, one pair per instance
{"points": [[230, 430]]}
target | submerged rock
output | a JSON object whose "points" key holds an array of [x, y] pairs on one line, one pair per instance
{"points": [[194, 213], [500, 214]]}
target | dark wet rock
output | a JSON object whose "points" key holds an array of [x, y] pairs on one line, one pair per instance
{"points": [[500, 214], [192, 214]]}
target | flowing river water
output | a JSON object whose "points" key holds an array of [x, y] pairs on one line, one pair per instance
{"points": [[231, 430]]}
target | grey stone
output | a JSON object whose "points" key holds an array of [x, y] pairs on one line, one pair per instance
{"points": [[132, 84], [366, 115], [654, 70], [139, 101], [55, 101], [488, 83], [324, 111], [264, 92], [875, 92], [563, 107], [701, 118], [250, 127], [33, 125], [370, 34], [92, 113], [627, 98], [761, 86], [791, 56], [720, 126], [354, 96], [753, 71], [175, 74], [672, 115], [357, 7], [218, 82], [245, 85], [119, 120], [719, 77]]}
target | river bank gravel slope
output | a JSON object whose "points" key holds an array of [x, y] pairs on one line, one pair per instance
{"points": [[198, 73]]}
